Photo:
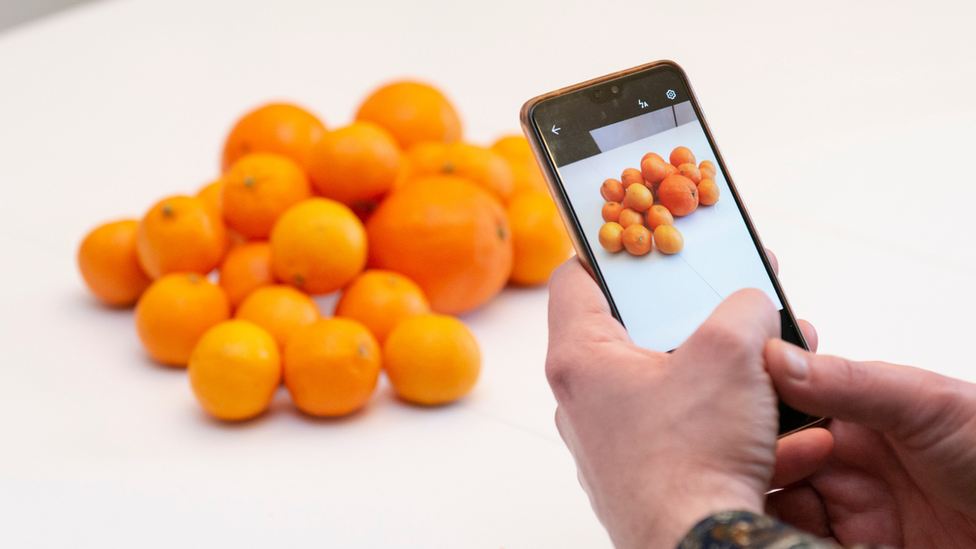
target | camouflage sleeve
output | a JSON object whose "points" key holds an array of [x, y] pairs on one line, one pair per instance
{"points": [[734, 529]]}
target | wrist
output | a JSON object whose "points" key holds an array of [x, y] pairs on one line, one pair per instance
{"points": [[679, 509]]}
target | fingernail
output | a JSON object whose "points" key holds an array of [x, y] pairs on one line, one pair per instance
{"points": [[796, 365]]}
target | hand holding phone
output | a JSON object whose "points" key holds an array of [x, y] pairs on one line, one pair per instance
{"points": [[650, 205]]}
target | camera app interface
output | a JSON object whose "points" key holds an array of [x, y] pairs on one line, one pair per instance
{"points": [[655, 208]]}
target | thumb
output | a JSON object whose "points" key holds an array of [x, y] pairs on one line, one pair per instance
{"points": [[578, 310], [896, 400]]}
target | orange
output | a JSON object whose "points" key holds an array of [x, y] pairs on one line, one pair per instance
{"points": [[707, 192], [611, 211], [659, 215], [234, 370], [449, 236], [668, 239], [211, 195], [678, 194], [318, 246], [707, 169], [612, 191], [246, 268], [629, 216], [691, 172], [611, 237], [636, 239], [175, 311], [649, 156], [258, 189], [681, 155], [632, 176], [654, 169], [478, 164], [356, 164], [412, 112], [540, 242], [431, 359], [331, 367], [279, 309], [380, 300], [274, 128], [525, 171], [109, 265], [638, 198], [180, 234]]}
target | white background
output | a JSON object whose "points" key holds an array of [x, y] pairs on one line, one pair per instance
{"points": [[848, 128], [662, 298]]}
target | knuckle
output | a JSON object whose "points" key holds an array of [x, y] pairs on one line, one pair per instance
{"points": [[726, 339], [559, 366]]}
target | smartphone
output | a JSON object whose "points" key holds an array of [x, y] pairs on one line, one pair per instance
{"points": [[592, 132]]}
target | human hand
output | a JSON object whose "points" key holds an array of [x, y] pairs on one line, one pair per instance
{"points": [[903, 469], [662, 440]]}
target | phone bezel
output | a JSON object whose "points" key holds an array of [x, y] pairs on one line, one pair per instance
{"points": [[568, 214]]}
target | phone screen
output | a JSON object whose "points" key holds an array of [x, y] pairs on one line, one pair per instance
{"points": [[593, 132]]}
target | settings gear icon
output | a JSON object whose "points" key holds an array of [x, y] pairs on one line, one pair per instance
{"points": [[671, 94]]}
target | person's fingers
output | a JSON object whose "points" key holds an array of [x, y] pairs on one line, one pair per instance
{"points": [[810, 334], [576, 304], [738, 326], [578, 314], [802, 508], [801, 454], [893, 399], [773, 260]]}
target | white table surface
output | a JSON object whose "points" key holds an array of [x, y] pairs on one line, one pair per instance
{"points": [[849, 130]]}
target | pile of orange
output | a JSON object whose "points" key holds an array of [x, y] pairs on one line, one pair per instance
{"points": [[394, 211], [642, 204]]}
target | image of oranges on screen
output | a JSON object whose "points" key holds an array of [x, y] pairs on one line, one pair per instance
{"points": [[707, 169], [540, 242], [279, 309], [180, 234], [380, 300], [649, 156], [637, 239], [479, 165], [668, 239], [245, 268], [432, 359], [448, 235], [278, 128], [174, 312], [681, 155], [356, 164], [630, 216], [258, 188], [611, 237], [109, 265], [707, 192], [413, 112], [691, 172], [654, 170], [611, 211], [632, 176], [638, 198], [234, 370], [678, 194], [658, 215], [612, 190], [318, 246], [331, 367], [525, 170]]}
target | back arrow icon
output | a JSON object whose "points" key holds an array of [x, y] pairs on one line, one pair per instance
{"points": [[555, 130]]}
